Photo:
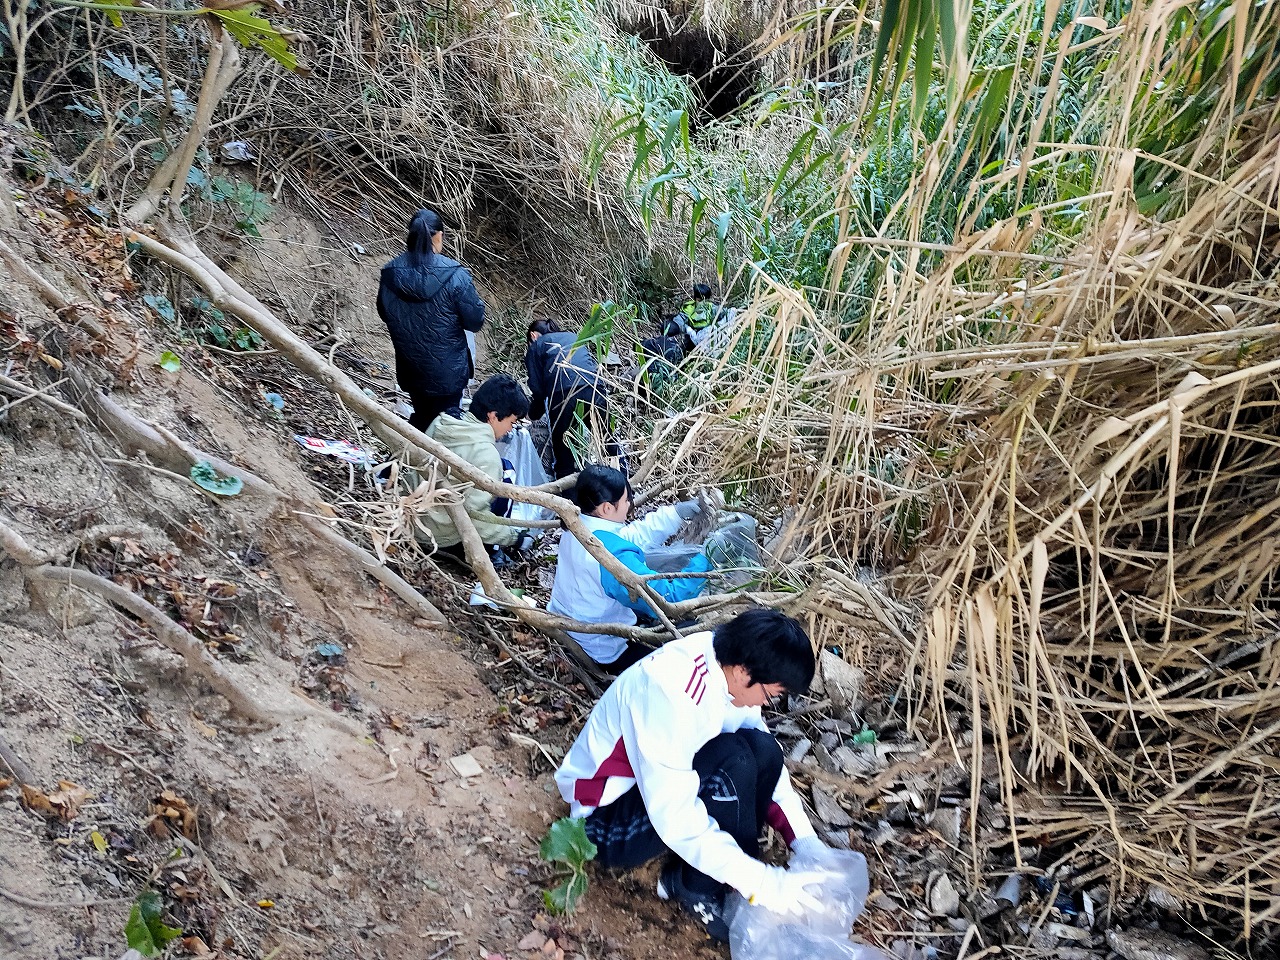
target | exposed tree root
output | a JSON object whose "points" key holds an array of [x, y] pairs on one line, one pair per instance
{"points": [[198, 660], [15, 765], [163, 447]]}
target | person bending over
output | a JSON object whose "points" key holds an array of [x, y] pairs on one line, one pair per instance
{"points": [[472, 434], [586, 591], [560, 378], [676, 757], [429, 303]]}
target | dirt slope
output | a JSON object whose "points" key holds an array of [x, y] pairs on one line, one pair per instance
{"points": [[345, 833]]}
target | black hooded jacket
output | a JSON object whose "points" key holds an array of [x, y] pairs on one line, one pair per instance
{"points": [[557, 371], [428, 302]]}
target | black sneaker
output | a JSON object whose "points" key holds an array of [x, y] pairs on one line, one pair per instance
{"points": [[707, 909]]}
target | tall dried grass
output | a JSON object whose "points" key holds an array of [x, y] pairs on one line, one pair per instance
{"points": [[1066, 451]]}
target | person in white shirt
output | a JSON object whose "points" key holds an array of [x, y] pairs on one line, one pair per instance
{"points": [[676, 757]]}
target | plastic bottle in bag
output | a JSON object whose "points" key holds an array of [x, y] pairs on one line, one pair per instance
{"points": [[759, 934]]}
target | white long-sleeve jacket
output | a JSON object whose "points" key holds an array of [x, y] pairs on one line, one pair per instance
{"points": [[645, 731], [577, 591]]}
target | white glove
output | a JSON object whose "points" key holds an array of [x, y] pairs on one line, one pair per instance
{"points": [[526, 541], [783, 891], [812, 850]]}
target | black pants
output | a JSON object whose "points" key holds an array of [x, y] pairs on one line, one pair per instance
{"points": [[737, 773], [428, 406], [560, 414], [631, 654]]}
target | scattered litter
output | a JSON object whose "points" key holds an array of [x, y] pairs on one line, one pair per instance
{"points": [[337, 448], [479, 598], [356, 250], [465, 765], [276, 401], [1010, 891], [169, 362], [206, 478], [238, 151], [1138, 944]]}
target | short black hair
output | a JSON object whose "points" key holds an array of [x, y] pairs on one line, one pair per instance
{"points": [[701, 291], [597, 485], [771, 646], [542, 328], [502, 396]]}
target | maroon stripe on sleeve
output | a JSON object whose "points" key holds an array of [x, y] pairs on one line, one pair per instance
{"points": [[778, 820], [588, 791]]}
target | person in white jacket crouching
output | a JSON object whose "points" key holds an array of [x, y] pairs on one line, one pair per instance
{"points": [[676, 757]]}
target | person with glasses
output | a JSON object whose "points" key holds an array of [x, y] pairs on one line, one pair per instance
{"points": [[675, 757]]}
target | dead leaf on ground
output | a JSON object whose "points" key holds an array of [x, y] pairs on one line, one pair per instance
{"points": [[203, 728], [196, 947], [4, 782], [63, 803], [176, 812], [533, 940]]}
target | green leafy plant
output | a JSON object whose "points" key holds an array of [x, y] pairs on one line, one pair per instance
{"points": [[170, 362], [566, 843], [145, 931]]}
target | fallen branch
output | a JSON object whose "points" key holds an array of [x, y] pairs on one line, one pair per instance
{"points": [[164, 447], [21, 772], [25, 392], [179, 251], [170, 634]]}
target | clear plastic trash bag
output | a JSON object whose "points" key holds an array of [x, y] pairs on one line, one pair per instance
{"points": [[518, 447], [759, 934]]}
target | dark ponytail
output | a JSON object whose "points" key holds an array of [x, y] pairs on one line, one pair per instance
{"points": [[599, 485], [424, 225]]}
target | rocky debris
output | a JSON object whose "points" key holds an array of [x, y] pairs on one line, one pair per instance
{"points": [[841, 682], [828, 810], [944, 899], [1139, 944]]}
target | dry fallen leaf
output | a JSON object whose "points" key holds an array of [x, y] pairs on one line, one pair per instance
{"points": [[4, 782], [177, 812], [64, 803], [203, 728], [533, 940], [196, 947], [266, 904]]}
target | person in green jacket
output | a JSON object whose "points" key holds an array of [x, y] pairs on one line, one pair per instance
{"points": [[473, 434]]}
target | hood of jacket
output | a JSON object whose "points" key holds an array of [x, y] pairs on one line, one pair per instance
{"points": [[419, 283], [463, 436]]}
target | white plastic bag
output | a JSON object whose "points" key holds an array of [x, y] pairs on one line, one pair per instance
{"points": [[518, 447], [759, 934]]}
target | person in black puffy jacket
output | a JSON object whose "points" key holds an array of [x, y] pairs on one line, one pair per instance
{"points": [[428, 303], [560, 378]]}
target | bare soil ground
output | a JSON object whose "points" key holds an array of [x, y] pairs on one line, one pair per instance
{"points": [[348, 839], [346, 833]]}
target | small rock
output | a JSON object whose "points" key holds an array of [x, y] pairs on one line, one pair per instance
{"points": [[800, 750], [828, 810], [465, 765], [843, 682], [947, 821], [944, 900], [1138, 944], [824, 759], [787, 728]]}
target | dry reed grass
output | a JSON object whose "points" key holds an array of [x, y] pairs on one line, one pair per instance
{"points": [[1069, 461]]}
